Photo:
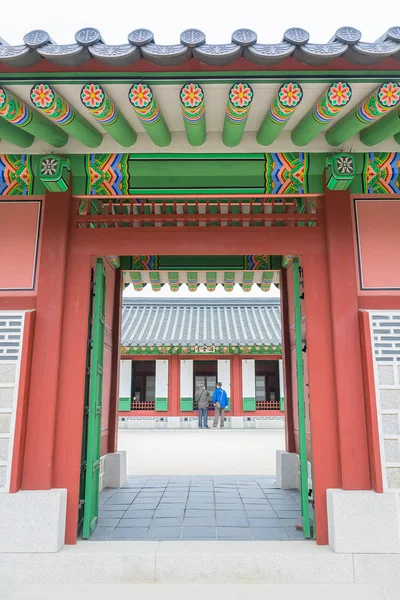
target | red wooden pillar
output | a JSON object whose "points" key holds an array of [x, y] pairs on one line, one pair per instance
{"points": [[173, 385], [324, 418], [38, 460], [115, 362], [236, 385], [68, 441], [346, 339]]}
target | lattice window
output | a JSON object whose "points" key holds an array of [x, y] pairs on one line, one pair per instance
{"points": [[143, 405], [386, 336], [386, 348], [10, 336], [267, 405]]}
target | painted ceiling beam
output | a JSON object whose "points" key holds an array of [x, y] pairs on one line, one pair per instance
{"points": [[103, 109], [19, 114], [229, 281], [247, 284], [155, 281], [15, 135], [61, 113], [372, 108], [148, 112], [382, 129], [336, 97], [266, 281], [193, 112], [211, 281], [237, 110], [173, 278], [282, 108], [192, 281], [137, 282]]}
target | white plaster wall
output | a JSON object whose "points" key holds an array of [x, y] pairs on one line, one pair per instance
{"points": [[385, 333], [125, 378], [161, 379], [224, 375], [186, 379], [249, 378], [12, 329]]}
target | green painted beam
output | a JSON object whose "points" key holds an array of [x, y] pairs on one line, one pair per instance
{"points": [[266, 281], [336, 97], [137, 282], [192, 281], [282, 108], [61, 113], [15, 135], [372, 108], [247, 284], [155, 281], [173, 278], [229, 281], [211, 281], [148, 112], [20, 115], [382, 129], [193, 112], [103, 109], [237, 110]]}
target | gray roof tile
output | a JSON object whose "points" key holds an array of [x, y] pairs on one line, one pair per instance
{"points": [[188, 322]]}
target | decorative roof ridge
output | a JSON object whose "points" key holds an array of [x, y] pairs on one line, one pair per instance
{"points": [[179, 302], [345, 43]]}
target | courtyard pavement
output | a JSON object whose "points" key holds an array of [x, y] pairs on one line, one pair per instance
{"points": [[199, 507], [201, 451]]}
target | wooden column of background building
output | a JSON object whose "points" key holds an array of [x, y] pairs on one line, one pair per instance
{"points": [[287, 370], [40, 432], [347, 365]]}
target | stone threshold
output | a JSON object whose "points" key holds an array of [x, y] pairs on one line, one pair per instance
{"points": [[199, 562]]}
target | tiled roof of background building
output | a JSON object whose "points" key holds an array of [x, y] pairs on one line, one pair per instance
{"points": [[88, 44], [205, 322]]}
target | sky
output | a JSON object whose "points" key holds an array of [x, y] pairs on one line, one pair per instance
{"points": [[216, 18]]}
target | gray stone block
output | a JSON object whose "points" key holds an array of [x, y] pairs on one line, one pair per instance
{"points": [[6, 397], [363, 522], [390, 399], [33, 521], [287, 470], [115, 469], [8, 373], [385, 375]]}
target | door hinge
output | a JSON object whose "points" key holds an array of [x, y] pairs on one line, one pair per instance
{"points": [[96, 465], [100, 369], [98, 410]]}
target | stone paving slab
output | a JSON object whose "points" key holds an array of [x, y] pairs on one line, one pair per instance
{"points": [[192, 591], [199, 508]]}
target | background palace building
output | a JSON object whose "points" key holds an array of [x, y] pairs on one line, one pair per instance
{"points": [[239, 163]]}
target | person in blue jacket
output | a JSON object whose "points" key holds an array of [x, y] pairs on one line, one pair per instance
{"points": [[220, 402]]}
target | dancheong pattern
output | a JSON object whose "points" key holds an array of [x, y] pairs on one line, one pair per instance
{"points": [[145, 262], [255, 262], [381, 173], [15, 175], [99, 105], [387, 96], [336, 97], [286, 173], [239, 103], [108, 174], [286, 101]]}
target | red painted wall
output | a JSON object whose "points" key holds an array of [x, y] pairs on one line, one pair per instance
{"points": [[377, 225], [19, 244]]}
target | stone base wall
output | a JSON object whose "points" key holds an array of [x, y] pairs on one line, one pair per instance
{"points": [[191, 422]]}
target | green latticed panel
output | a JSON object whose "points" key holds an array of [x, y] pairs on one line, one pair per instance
{"points": [[124, 404], [161, 404], [249, 404], [186, 404]]}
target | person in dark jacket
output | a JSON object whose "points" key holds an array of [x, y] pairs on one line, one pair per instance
{"points": [[220, 402], [202, 399]]}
